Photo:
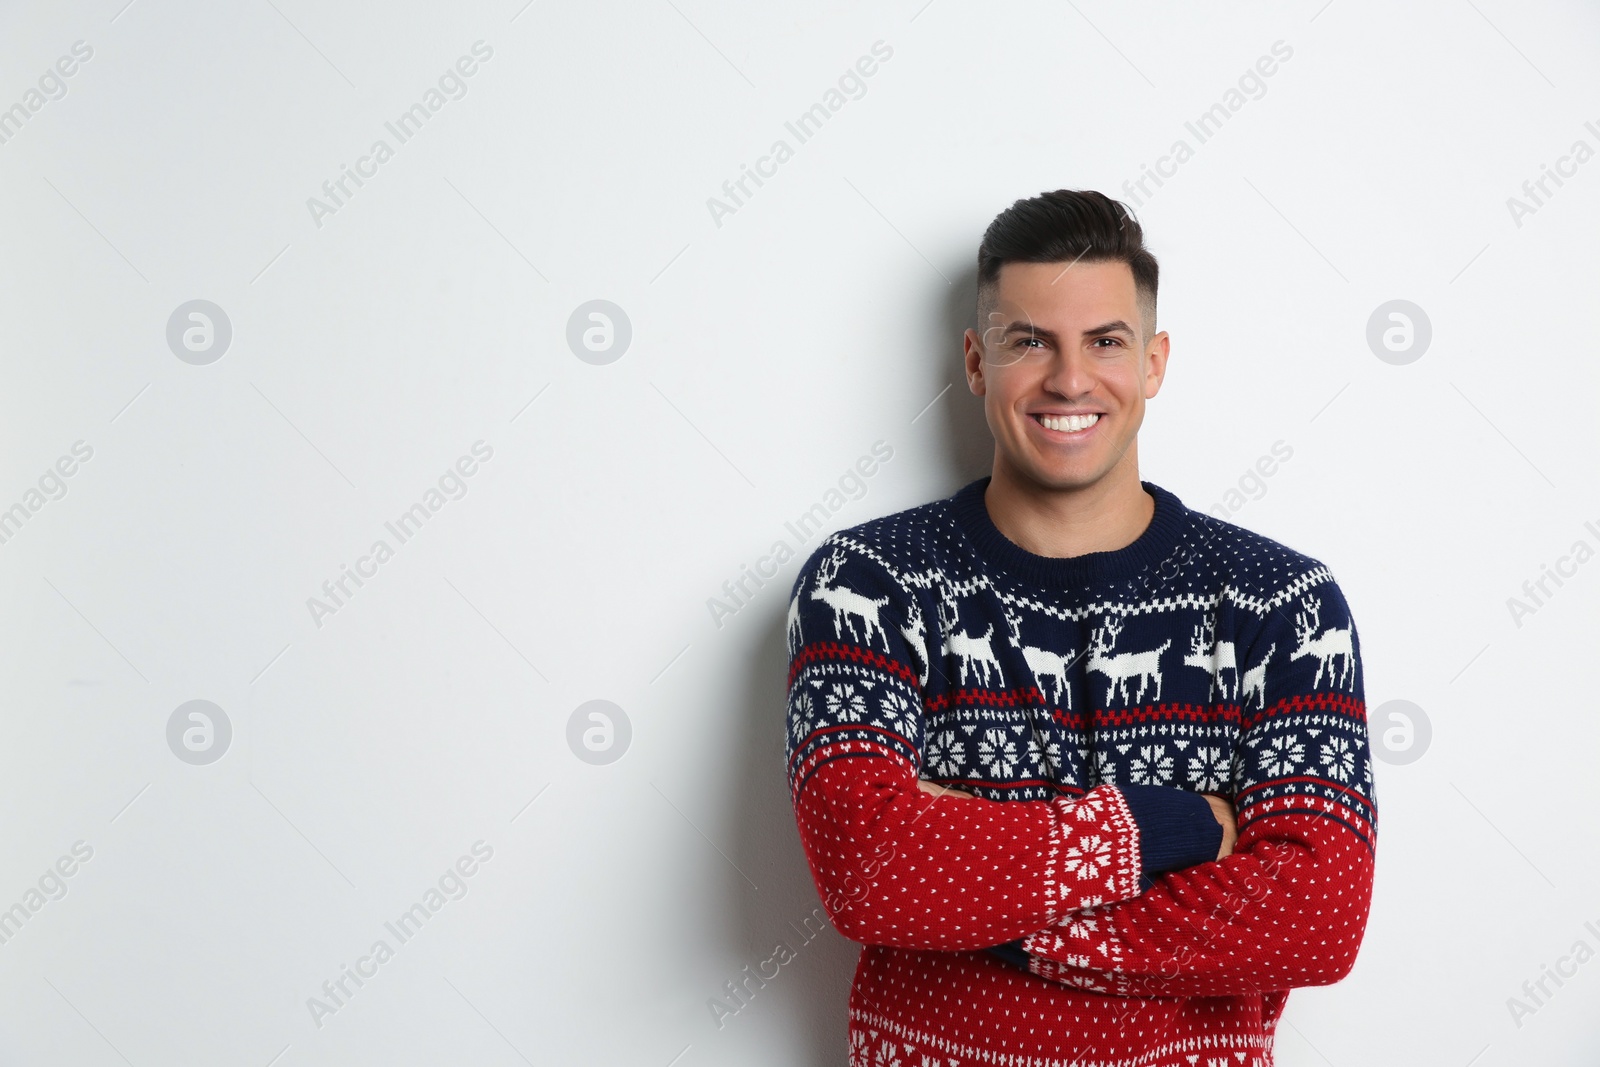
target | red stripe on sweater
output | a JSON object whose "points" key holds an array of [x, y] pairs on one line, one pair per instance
{"points": [[991, 698], [823, 753], [1335, 702], [1031, 696], [839, 651], [1344, 809], [798, 749]]}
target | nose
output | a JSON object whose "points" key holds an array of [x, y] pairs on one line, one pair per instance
{"points": [[1069, 372]]}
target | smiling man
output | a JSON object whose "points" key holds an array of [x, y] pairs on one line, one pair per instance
{"points": [[1084, 770]]}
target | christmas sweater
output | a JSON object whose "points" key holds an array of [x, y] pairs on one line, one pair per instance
{"points": [[1073, 913]]}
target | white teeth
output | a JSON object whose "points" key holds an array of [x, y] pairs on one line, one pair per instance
{"points": [[1069, 423]]}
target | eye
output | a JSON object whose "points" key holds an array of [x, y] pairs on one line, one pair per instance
{"points": [[1113, 340], [1026, 340]]}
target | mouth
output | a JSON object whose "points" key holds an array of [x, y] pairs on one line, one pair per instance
{"points": [[1067, 427]]}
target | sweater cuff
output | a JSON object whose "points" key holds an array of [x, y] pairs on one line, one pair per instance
{"points": [[1177, 828]]}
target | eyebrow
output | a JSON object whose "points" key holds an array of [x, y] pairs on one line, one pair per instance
{"points": [[1114, 326]]}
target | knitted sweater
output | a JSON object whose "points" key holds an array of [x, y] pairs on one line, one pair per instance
{"points": [[1073, 912]]}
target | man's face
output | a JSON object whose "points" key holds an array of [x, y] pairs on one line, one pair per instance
{"points": [[1074, 342]]}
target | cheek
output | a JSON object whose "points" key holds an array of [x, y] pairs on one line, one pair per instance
{"points": [[1126, 379], [1009, 389], [1006, 407], [994, 413]]}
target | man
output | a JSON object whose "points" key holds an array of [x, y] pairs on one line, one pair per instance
{"points": [[1105, 680]]}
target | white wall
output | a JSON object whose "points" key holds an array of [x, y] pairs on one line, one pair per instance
{"points": [[375, 344]]}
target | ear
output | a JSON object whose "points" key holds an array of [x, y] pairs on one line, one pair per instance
{"points": [[1155, 360], [972, 349]]}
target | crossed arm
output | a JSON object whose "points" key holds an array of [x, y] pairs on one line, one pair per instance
{"points": [[1285, 903], [1258, 919], [1064, 886], [1282, 905], [900, 868]]}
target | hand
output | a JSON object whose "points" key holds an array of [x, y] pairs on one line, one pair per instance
{"points": [[1222, 808], [940, 790]]}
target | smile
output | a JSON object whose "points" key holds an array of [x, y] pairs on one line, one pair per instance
{"points": [[1068, 425]]}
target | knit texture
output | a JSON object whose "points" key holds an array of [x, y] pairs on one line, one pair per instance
{"points": [[1073, 913]]}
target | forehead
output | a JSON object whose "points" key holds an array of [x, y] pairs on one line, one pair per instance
{"points": [[1067, 289]]}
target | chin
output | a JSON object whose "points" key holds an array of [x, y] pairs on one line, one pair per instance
{"points": [[1057, 476], [1070, 480]]}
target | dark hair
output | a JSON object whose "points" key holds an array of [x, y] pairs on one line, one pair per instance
{"points": [[1066, 226]]}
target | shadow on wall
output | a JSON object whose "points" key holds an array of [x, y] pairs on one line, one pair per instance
{"points": [[962, 429], [794, 965]]}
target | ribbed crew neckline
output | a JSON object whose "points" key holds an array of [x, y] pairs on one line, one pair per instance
{"points": [[1150, 547]]}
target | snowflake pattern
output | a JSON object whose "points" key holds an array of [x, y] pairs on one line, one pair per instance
{"points": [[802, 717], [1152, 766], [1089, 809], [886, 1055], [1044, 753], [998, 753], [894, 710], [1105, 768], [1338, 760], [1077, 924], [946, 754], [1283, 755], [858, 1049], [1088, 857], [845, 704], [1206, 769]]}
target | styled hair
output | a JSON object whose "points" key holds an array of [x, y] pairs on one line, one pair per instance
{"points": [[1067, 226]]}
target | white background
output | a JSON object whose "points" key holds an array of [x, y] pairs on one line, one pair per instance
{"points": [[768, 354]]}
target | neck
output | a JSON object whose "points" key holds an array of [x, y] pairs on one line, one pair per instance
{"points": [[1102, 516]]}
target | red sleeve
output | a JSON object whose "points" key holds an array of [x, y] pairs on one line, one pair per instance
{"points": [[894, 865], [1289, 906]]}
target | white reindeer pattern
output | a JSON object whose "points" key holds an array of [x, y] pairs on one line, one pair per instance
{"points": [[916, 635], [1211, 655], [848, 605], [1255, 679], [1330, 646], [975, 652], [1124, 665], [1043, 662], [853, 612]]}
